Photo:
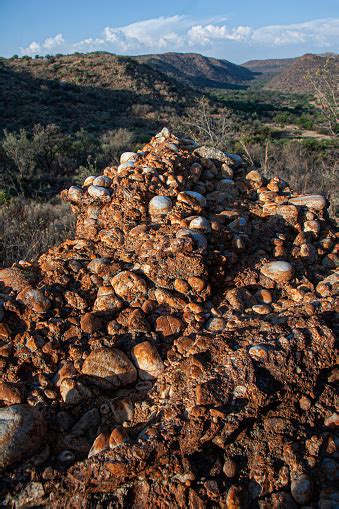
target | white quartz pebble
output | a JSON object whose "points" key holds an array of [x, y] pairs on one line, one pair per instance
{"points": [[159, 205]]}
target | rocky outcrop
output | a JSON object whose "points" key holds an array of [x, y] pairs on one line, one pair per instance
{"points": [[180, 350]]}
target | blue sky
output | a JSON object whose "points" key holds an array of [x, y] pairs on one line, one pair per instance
{"points": [[237, 30]]}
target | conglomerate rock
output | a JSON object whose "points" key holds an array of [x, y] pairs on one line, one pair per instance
{"points": [[180, 350]]}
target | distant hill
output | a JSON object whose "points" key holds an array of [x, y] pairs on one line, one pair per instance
{"points": [[270, 66], [292, 77], [100, 91], [96, 91], [198, 70]]}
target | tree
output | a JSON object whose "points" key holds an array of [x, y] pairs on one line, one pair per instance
{"points": [[325, 89], [205, 127]]}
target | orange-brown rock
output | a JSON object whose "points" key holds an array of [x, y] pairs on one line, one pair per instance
{"points": [[180, 348], [147, 360], [34, 299], [168, 325], [129, 286], [110, 364], [90, 323], [117, 437], [10, 393]]}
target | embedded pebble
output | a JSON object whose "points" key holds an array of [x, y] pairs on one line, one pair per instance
{"points": [[215, 324], [22, 432], [258, 352], [128, 156], [89, 180], [199, 238], [191, 198], [75, 194], [200, 223], [311, 201], [129, 286], [34, 299], [305, 403], [110, 364], [159, 205], [102, 181], [100, 193], [263, 296], [230, 468], [261, 309], [279, 271], [147, 360]]}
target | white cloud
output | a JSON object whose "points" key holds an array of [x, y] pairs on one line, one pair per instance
{"points": [[320, 32], [183, 33], [86, 45], [49, 45], [53, 42], [151, 34], [208, 33], [32, 49]]}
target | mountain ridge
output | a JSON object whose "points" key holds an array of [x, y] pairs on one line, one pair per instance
{"points": [[292, 77], [270, 65], [198, 70]]}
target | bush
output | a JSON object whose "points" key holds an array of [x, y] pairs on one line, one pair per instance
{"points": [[41, 163], [305, 121], [33, 164], [282, 118], [29, 228]]}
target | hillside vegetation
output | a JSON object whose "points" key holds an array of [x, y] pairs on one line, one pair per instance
{"points": [[198, 70], [95, 91]]}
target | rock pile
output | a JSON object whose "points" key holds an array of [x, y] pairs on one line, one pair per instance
{"points": [[179, 351]]}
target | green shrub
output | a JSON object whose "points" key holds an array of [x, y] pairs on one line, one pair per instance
{"points": [[305, 121]]}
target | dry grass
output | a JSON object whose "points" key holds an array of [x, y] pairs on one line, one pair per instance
{"points": [[28, 228]]}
